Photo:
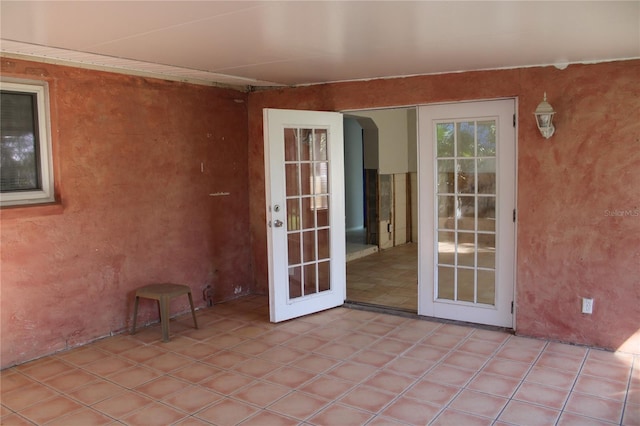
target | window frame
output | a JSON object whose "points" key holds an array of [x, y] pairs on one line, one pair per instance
{"points": [[44, 194]]}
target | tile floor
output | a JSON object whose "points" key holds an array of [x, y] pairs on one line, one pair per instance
{"points": [[338, 367], [387, 278]]}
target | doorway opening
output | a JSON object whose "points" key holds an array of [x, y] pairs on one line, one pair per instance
{"points": [[381, 207]]}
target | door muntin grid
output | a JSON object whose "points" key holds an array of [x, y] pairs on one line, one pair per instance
{"points": [[307, 211], [466, 197]]}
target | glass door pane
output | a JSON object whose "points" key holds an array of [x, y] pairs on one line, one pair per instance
{"points": [[307, 193], [466, 200]]}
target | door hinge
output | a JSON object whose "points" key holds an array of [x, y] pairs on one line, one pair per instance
{"points": [[514, 120], [512, 306], [514, 215]]}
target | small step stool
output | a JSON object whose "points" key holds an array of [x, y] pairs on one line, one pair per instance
{"points": [[163, 293]]}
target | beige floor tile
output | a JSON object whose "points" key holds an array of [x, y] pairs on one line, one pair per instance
{"points": [[450, 375], [367, 399], [591, 406], [71, 380], [261, 394], [21, 398], [522, 413], [494, 384], [12, 380], [542, 395], [95, 392], [327, 387], [478, 403], [352, 371], [411, 411], [560, 361], [338, 414], [264, 418], [195, 372], [161, 387], [256, 367], [83, 416], [340, 366], [450, 417], [225, 359], [192, 399], [298, 405], [227, 382], [45, 368], [134, 376], [600, 387], [154, 414], [570, 419], [390, 381], [50, 409], [551, 377], [122, 404], [289, 376], [433, 393]]}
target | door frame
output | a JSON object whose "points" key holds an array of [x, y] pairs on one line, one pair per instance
{"points": [[427, 168], [426, 263], [281, 306]]}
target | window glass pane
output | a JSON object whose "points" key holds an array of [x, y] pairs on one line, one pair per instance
{"points": [[466, 288], [486, 287], [446, 212], [305, 138], [487, 250], [295, 282], [324, 276], [293, 248], [486, 176], [446, 281], [466, 176], [19, 170], [323, 244], [291, 176], [466, 250], [444, 139], [467, 213], [446, 248], [290, 145], [446, 175], [309, 246], [323, 213], [310, 280], [308, 214], [487, 214], [486, 138], [466, 139], [293, 214], [320, 145]]}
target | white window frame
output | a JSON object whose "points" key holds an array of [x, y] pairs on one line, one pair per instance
{"points": [[46, 193]]}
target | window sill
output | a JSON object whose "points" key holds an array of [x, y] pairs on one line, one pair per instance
{"points": [[26, 211]]}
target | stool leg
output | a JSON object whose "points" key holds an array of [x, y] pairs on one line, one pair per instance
{"points": [[164, 317], [193, 311], [135, 315]]}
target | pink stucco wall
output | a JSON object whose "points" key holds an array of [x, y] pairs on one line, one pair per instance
{"points": [[134, 207], [569, 243]]}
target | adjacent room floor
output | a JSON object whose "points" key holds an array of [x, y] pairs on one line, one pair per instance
{"points": [[386, 278], [338, 367]]}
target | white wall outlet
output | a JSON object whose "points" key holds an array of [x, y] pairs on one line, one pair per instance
{"points": [[587, 305]]}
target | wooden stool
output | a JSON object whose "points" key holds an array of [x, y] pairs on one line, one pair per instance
{"points": [[163, 293]]}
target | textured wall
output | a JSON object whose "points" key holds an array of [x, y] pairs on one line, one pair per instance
{"points": [[570, 244], [134, 207]]}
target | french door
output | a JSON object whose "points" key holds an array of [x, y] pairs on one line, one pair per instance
{"points": [[304, 180], [467, 202]]}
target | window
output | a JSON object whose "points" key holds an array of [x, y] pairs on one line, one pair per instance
{"points": [[26, 172]]}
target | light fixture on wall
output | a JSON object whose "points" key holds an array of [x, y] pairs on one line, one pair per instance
{"points": [[544, 117]]}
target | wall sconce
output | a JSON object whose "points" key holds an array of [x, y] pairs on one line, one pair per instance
{"points": [[544, 117]]}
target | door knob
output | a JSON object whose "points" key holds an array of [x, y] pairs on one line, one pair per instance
{"points": [[278, 223]]}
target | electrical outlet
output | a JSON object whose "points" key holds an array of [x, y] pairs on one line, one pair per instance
{"points": [[587, 306]]}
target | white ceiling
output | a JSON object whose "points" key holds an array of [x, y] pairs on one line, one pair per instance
{"points": [[273, 43]]}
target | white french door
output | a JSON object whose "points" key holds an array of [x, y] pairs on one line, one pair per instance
{"points": [[467, 202], [304, 168]]}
